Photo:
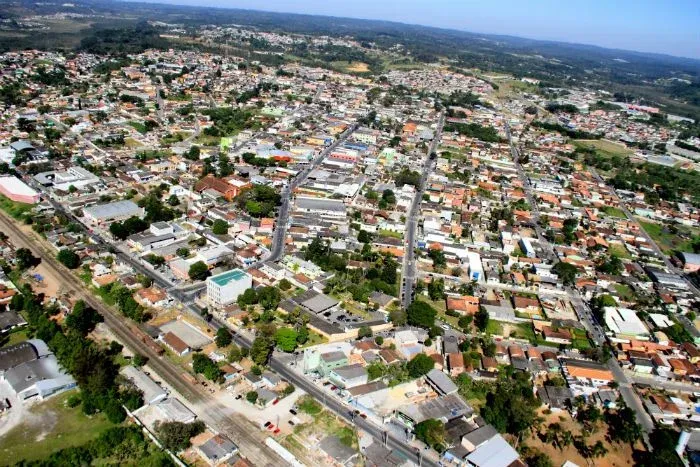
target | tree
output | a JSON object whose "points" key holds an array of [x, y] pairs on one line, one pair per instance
{"points": [[286, 339], [566, 272], [176, 435], [68, 258], [436, 289], [269, 297], [235, 354], [430, 431], [199, 271], [510, 406], [398, 317], [220, 227], [252, 397], [139, 360], [223, 337], [183, 252], [481, 319], [260, 350], [206, 366], [364, 331], [284, 284], [25, 258], [420, 365], [248, 297], [623, 426], [364, 237], [173, 200], [83, 318], [421, 314]]}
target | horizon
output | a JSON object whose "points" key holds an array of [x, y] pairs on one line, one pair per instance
{"points": [[597, 24]]}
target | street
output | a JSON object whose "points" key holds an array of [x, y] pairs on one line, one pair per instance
{"points": [[408, 275]]}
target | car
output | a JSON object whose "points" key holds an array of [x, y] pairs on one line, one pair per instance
{"points": [[291, 422], [267, 424], [276, 431], [275, 402], [333, 388], [292, 411], [326, 383], [363, 415], [271, 427], [445, 327], [238, 397]]}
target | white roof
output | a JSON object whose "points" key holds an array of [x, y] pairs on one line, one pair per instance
{"points": [[660, 321], [14, 185], [624, 321], [495, 452]]}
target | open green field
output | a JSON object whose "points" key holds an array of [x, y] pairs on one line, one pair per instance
{"points": [[613, 211], [13, 208], [667, 240], [50, 426], [619, 251], [138, 126], [14, 337], [604, 147]]}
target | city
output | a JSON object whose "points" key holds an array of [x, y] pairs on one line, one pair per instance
{"points": [[224, 244]]}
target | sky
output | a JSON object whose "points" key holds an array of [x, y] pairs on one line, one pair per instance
{"points": [[661, 26]]}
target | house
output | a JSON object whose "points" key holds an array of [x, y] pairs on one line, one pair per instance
{"points": [[496, 452], [217, 450], [466, 304], [586, 377], [175, 344], [440, 382], [152, 392], [152, 297], [223, 188], [348, 376]]}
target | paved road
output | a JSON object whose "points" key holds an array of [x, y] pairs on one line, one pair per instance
{"points": [[281, 225], [408, 274], [584, 313], [239, 429], [544, 244]]}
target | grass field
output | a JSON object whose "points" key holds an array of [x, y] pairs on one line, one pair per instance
{"points": [[625, 292], [666, 239], [351, 67], [619, 251], [15, 337], [14, 209], [48, 427], [138, 126], [604, 147], [613, 211]]}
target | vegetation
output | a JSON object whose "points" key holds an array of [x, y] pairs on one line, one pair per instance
{"points": [[176, 435], [259, 200], [432, 433], [68, 258], [201, 364], [420, 365], [474, 130], [198, 271]]}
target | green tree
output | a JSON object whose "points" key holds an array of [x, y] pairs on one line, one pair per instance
{"points": [[285, 285], [220, 227], [286, 339], [68, 258], [566, 272], [436, 289], [421, 314], [83, 318], [252, 397], [223, 337], [481, 319], [364, 331], [431, 432], [420, 365], [199, 271], [260, 350], [206, 366], [176, 435], [25, 259], [622, 425]]}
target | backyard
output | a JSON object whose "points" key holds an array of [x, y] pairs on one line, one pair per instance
{"points": [[49, 426]]}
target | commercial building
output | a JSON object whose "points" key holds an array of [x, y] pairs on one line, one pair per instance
{"points": [[152, 392], [111, 212], [31, 370], [15, 189], [625, 323], [223, 289], [476, 270], [348, 376]]}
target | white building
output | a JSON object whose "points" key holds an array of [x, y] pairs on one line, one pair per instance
{"points": [[223, 289], [111, 212], [625, 322]]}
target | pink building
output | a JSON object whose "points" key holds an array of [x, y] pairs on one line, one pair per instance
{"points": [[18, 191]]}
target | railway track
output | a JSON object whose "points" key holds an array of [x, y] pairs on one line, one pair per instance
{"points": [[239, 429]]}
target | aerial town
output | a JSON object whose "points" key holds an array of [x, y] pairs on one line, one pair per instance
{"points": [[213, 260]]}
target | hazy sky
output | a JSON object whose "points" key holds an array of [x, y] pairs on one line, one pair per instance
{"points": [[663, 26]]}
